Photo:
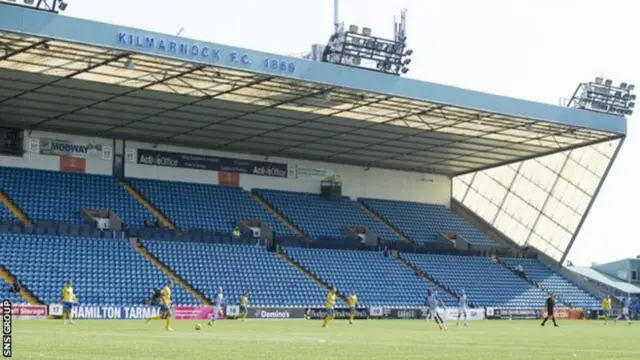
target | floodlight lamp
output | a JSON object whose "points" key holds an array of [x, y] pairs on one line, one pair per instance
{"points": [[608, 82], [353, 28], [404, 70], [631, 87], [631, 105], [623, 86], [598, 80], [366, 31], [618, 94], [625, 96], [406, 62], [29, 2], [408, 52], [62, 5], [632, 97]]}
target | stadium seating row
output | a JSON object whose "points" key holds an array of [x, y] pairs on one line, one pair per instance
{"points": [[269, 280], [56, 196], [378, 280], [422, 223], [59, 196], [555, 283], [485, 282], [45, 255], [104, 271]]}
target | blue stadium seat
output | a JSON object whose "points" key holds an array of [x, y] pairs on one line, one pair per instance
{"points": [[269, 280], [486, 283], [557, 284], [422, 223], [5, 213], [103, 271], [209, 207], [52, 195], [376, 279], [317, 216], [8, 294]]}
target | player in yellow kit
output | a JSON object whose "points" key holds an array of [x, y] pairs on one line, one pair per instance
{"points": [[165, 306], [68, 299], [244, 306], [606, 309], [352, 302], [330, 307]]}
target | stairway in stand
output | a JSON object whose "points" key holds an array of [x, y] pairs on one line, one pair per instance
{"points": [[171, 274], [14, 208], [164, 220], [24, 292], [375, 215]]}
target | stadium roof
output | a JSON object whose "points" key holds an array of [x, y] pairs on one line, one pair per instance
{"points": [[65, 74], [610, 281]]}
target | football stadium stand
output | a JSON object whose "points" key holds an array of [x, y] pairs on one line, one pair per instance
{"points": [[103, 271], [209, 207], [269, 280], [376, 279], [422, 223], [486, 283], [286, 124], [548, 280], [58, 196], [318, 217]]}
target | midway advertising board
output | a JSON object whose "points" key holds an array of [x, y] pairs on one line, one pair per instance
{"points": [[29, 312], [275, 313], [115, 312], [73, 149], [565, 314], [212, 163], [421, 313], [515, 314], [341, 313]]}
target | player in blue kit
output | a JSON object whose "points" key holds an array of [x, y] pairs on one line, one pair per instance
{"points": [[626, 304], [433, 303], [218, 304], [462, 308]]}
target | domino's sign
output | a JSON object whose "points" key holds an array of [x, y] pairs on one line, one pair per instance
{"points": [[115, 312]]}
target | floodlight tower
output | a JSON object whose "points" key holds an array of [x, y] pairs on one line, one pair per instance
{"points": [[356, 47], [602, 96], [52, 6]]}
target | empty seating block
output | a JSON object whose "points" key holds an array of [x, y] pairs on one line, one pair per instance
{"points": [[377, 280], [104, 272], [208, 207], [8, 294], [486, 283], [423, 222], [51, 195], [317, 216], [270, 281], [557, 284]]}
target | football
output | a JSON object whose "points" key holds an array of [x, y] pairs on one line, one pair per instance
{"points": [[198, 327]]}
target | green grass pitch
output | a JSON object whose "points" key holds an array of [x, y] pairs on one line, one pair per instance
{"points": [[299, 339]]}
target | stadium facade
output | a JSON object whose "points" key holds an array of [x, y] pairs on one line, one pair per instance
{"points": [[530, 170], [156, 111]]}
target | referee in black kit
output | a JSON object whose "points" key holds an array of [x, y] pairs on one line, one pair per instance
{"points": [[551, 303]]}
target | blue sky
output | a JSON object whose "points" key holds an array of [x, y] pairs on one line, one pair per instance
{"points": [[538, 50]]}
